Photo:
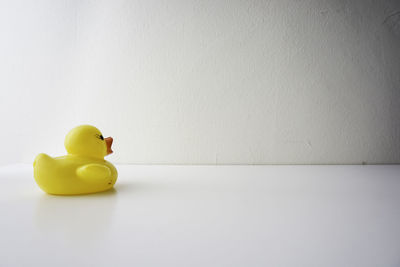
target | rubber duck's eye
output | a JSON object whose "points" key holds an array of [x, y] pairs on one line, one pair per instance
{"points": [[100, 136]]}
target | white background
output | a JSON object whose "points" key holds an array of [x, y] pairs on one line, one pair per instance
{"points": [[214, 216], [203, 82]]}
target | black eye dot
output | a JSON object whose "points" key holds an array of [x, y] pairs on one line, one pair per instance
{"points": [[101, 137]]}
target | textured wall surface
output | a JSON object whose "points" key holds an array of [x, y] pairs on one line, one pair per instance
{"points": [[204, 82]]}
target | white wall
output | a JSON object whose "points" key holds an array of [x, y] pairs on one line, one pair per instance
{"points": [[203, 82]]}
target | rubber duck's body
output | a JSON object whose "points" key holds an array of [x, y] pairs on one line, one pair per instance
{"points": [[83, 170]]}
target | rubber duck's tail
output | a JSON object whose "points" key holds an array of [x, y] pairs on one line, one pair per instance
{"points": [[41, 158]]}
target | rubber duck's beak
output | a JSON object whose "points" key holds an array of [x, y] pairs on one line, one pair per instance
{"points": [[109, 142]]}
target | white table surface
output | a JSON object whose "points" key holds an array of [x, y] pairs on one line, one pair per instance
{"points": [[207, 216]]}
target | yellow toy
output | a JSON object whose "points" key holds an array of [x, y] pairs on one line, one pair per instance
{"points": [[83, 170]]}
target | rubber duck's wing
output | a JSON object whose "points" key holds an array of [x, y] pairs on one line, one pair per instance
{"points": [[93, 171]]}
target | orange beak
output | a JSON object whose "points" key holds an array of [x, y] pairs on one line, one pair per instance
{"points": [[109, 142]]}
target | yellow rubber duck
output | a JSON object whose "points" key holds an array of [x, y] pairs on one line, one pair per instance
{"points": [[83, 170]]}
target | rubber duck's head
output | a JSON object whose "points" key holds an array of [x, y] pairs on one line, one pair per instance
{"points": [[87, 140]]}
